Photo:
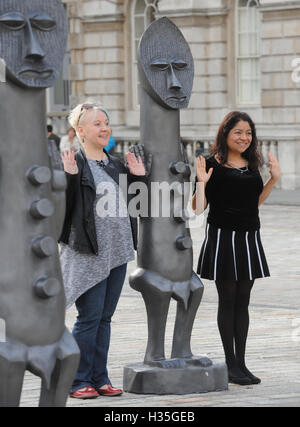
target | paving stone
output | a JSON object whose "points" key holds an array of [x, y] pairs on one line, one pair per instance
{"points": [[273, 349]]}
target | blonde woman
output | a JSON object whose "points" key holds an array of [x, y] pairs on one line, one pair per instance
{"points": [[95, 249]]}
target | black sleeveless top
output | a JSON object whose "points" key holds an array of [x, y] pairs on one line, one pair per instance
{"points": [[233, 197]]}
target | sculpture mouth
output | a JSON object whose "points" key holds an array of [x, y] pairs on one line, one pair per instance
{"points": [[33, 74], [176, 98]]}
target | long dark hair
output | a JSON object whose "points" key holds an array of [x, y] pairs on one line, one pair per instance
{"points": [[252, 154]]}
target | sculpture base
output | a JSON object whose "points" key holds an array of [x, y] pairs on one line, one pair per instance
{"points": [[184, 378]]}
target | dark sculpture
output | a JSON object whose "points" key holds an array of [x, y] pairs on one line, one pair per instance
{"points": [[32, 188], [33, 36], [165, 257]]}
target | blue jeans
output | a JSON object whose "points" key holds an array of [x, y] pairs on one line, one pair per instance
{"points": [[92, 329]]}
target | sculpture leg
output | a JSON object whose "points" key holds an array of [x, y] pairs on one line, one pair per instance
{"points": [[54, 393], [11, 381], [184, 322], [61, 380], [157, 306], [156, 292]]}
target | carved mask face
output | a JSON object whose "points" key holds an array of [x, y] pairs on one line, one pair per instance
{"points": [[32, 40], [166, 64]]}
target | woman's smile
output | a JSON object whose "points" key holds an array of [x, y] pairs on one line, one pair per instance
{"points": [[243, 144]]}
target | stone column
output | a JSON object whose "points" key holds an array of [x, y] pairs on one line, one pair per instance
{"points": [[297, 164], [287, 160]]}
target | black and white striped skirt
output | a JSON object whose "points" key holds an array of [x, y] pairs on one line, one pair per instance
{"points": [[232, 255]]}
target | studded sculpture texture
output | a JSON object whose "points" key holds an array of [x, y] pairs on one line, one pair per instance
{"points": [[165, 257], [32, 190]]}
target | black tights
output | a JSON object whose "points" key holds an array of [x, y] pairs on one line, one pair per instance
{"points": [[233, 320]]}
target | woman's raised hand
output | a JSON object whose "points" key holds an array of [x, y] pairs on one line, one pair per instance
{"points": [[70, 165], [138, 163], [274, 167], [202, 175], [135, 165]]}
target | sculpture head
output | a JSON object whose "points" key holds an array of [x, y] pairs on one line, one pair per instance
{"points": [[166, 64], [33, 36]]}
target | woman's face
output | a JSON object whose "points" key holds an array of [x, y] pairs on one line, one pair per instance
{"points": [[71, 133], [239, 138], [95, 129]]}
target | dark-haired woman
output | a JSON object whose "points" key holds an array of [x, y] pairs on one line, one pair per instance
{"points": [[232, 254]]}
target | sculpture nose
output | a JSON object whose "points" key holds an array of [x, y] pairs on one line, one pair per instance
{"points": [[33, 49], [173, 82]]}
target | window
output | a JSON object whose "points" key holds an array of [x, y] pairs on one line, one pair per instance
{"points": [[143, 13], [59, 95], [2, 71], [248, 52]]}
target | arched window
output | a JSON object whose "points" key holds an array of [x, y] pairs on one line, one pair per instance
{"points": [[248, 52], [143, 13]]}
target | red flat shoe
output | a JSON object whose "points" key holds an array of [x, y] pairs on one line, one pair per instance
{"points": [[110, 391], [84, 393]]}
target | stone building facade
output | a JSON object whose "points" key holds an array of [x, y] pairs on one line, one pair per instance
{"points": [[247, 57]]}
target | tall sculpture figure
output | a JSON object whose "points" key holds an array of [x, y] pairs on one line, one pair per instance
{"points": [[32, 303], [165, 257]]}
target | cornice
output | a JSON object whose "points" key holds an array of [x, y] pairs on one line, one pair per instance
{"points": [[284, 5], [103, 18], [179, 13]]}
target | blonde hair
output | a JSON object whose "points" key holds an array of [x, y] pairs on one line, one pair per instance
{"points": [[77, 113]]}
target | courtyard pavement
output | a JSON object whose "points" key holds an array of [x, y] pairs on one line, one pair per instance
{"points": [[273, 351]]}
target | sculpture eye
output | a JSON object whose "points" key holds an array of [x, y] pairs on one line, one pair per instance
{"points": [[179, 65], [160, 64], [42, 22], [13, 20]]}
